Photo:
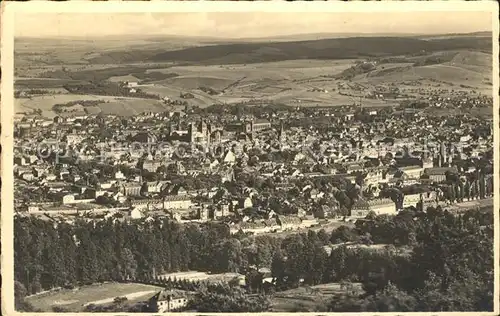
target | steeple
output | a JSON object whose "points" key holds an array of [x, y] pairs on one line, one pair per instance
{"points": [[281, 133], [281, 136]]}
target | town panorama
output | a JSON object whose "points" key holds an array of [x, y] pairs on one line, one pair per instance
{"points": [[300, 173]]}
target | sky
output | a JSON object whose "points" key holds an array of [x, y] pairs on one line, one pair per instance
{"points": [[246, 24]]}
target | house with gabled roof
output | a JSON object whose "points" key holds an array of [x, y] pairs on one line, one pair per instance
{"points": [[168, 301], [438, 174]]}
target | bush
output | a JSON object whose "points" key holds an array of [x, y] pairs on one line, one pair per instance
{"points": [[120, 300], [59, 309]]}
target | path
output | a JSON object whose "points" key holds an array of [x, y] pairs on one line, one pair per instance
{"points": [[128, 296]]}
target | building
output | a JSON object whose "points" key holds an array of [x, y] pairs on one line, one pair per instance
{"points": [[258, 227], [135, 214], [169, 202], [68, 199], [196, 133], [154, 186], [412, 171], [246, 203], [374, 176], [168, 301], [220, 211], [427, 163], [33, 208], [59, 119], [177, 202], [439, 174], [379, 206], [151, 165], [229, 157], [74, 139], [410, 200], [289, 222], [203, 213], [429, 199], [131, 189], [249, 127], [119, 175], [20, 161], [418, 200], [260, 125]]}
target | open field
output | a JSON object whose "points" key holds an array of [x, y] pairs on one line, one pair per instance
{"points": [[468, 205], [76, 299], [456, 72], [110, 105], [239, 71], [46, 102], [288, 82], [130, 107], [475, 61], [106, 50], [307, 299], [42, 83]]}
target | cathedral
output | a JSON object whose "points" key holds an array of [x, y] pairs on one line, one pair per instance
{"points": [[200, 133]]}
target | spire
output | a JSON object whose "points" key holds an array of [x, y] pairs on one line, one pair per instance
{"points": [[281, 133]]}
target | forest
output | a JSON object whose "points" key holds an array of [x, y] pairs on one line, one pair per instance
{"points": [[430, 262]]}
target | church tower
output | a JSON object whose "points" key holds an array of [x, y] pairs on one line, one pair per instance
{"points": [[191, 132], [208, 133], [281, 136], [281, 133]]}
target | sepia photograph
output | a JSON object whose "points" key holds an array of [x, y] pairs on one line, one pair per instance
{"points": [[258, 158]]}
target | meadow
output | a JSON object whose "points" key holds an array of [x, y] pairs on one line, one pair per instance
{"points": [[110, 105], [76, 299], [269, 72], [308, 299]]}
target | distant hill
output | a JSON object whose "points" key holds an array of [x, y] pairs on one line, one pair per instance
{"points": [[456, 35], [324, 49], [215, 50], [212, 39]]}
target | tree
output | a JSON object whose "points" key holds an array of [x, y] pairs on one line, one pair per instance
{"points": [[319, 263], [391, 299], [19, 298], [323, 237], [278, 269], [128, 263], [343, 234], [105, 200], [254, 281], [228, 299], [441, 271], [230, 255]]}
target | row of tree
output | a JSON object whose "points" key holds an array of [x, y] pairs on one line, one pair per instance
{"points": [[49, 255], [478, 187], [436, 272], [438, 245]]}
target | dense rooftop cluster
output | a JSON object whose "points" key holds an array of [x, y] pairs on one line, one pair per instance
{"points": [[247, 165]]}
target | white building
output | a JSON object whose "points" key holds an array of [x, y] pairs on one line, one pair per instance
{"points": [[379, 206], [411, 200], [168, 301], [136, 214]]}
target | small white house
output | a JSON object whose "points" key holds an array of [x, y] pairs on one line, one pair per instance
{"points": [[136, 214]]}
